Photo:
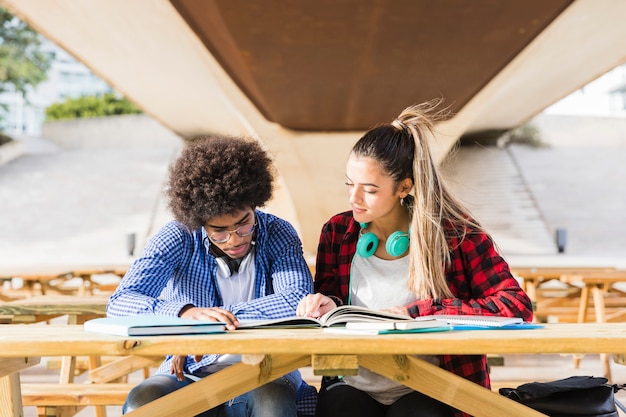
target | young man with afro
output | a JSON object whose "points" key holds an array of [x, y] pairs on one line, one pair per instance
{"points": [[220, 259]]}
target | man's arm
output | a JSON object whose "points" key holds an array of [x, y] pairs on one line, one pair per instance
{"points": [[282, 274], [140, 288]]}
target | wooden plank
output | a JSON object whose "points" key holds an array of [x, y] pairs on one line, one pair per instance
{"points": [[218, 388], [59, 340], [334, 365], [121, 368], [58, 279], [10, 394], [42, 394], [445, 386], [9, 366], [10, 399], [54, 411], [56, 305], [555, 272]]}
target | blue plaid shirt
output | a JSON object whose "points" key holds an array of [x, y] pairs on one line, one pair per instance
{"points": [[176, 269]]}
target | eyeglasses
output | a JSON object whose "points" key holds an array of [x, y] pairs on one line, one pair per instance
{"points": [[241, 231]]}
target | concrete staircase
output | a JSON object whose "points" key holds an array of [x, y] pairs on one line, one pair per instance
{"points": [[488, 180]]}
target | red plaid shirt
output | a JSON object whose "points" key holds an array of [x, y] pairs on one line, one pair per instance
{"points": [[478, 277]]}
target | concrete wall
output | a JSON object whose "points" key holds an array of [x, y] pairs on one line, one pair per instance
{"points": [[126, 131], [588, 131], [9, 151], [142, 130]]}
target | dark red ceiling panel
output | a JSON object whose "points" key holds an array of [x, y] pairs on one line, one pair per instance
{"points": [[350, 64]]}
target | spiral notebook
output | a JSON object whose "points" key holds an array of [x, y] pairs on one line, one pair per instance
{"points": [[463, 321]]}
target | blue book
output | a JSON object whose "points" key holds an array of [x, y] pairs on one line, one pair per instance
{"points": [[516, 326], [152, 325], [481, 322]]}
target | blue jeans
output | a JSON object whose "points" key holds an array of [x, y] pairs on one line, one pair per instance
{"points": [[276, 398]]}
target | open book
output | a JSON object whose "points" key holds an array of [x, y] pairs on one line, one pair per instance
{"points": [[347, 315], [152, 325]]}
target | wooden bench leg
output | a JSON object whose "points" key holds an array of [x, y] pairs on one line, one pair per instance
{"points": [[598, 300], [582, 314], [11, 406], [95, 362]]}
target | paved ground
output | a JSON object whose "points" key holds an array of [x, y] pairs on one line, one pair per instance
{"points": [[77, 206]]}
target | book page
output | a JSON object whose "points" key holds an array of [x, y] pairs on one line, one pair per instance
{"points": [[350, 314], [285, 322], [337, 316]]}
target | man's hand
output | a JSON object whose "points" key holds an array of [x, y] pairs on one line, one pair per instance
{"points": [[212, 314], [315, 305], [178, 366]]}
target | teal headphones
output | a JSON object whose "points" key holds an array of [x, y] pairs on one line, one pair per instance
{"points": [[397, 243]]}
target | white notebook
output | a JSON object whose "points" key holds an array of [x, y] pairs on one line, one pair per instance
{"points": [[474, 320]]}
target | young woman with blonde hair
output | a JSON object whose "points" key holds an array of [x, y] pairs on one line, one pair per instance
{"points": [[404, 223]]}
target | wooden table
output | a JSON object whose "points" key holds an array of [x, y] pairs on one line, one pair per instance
{"points": [[597, 285], [46, 277], [46, 307], [78, 309], [268, 354], [533, 277]]}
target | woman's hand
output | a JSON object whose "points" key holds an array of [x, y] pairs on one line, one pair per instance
{"points": [[212, 314], [315, 305]]}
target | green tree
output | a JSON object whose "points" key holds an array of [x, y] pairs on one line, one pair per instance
{"points": [[22, 63]]}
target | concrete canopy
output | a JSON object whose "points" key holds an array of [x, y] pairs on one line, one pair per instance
{"points": [[306, 78]]}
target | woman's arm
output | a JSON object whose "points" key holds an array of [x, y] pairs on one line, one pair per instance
{"points": [[481, 281]]}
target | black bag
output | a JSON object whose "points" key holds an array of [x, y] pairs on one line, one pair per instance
{"points": [[576, 396]]}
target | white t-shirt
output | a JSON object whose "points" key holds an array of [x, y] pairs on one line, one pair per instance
{"points": [[238, 287], [380, 284], [234, 289]]}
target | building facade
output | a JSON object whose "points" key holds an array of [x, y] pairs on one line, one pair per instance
{"points": [[67, 78]]}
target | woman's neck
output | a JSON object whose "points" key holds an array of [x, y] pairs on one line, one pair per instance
{"points": [[398, 220]]}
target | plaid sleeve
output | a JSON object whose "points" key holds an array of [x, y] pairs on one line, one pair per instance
{"points": [[336, 248], [481, 281], [148, 276]]}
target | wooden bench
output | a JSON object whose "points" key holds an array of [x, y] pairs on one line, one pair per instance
{"points": [[47, 394], [106, 386], [54, 400]]}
